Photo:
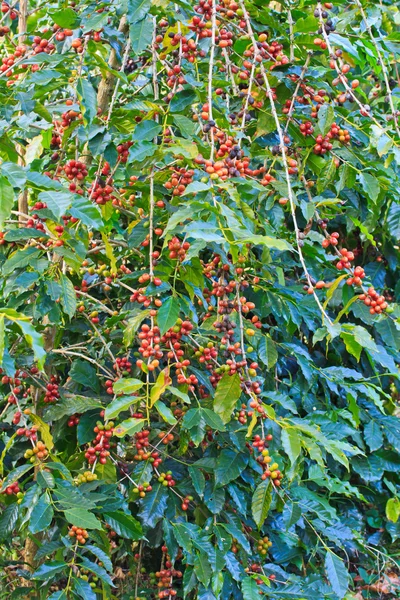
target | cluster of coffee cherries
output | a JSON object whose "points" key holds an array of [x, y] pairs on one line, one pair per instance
{"points": [[12, 489], [185, 502], [164, 577], [206, 354], [123, 365], [177, 249], [175, 76], [263, 545], [173, 336], [73, 420], [306, 128], [376, 302], [330, 240], [86, 477], [42, 45], [6, 8], [346, 257], [31, 434], [68, 117], [102, 192], [100, 450], [260, 444], [74, 169], [142, 442], [271, 471], [123, 151], [241, 415], [323, 144], [166, 438], [142, 490], [61, 34], [7, 64], [357, 277], [149, 346], [166, 479], [80, 534], [52, 394], [179, 180], [38, 452], [84, 575]]}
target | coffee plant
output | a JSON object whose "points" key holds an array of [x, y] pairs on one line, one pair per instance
{"points": [[199, 328]]}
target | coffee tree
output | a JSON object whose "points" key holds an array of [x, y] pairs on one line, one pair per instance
{"points": [[199, 335]]}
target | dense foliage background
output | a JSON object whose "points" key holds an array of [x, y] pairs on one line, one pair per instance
{"points": [[199, 335]]}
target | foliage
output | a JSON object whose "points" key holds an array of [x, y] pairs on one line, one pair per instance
{"points": [[199, 334]]}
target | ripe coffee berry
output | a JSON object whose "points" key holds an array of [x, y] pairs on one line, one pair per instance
{"points": [[81, 535]]}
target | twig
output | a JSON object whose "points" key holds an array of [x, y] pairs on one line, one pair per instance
{"points": [[210, 75], [284, 160]]}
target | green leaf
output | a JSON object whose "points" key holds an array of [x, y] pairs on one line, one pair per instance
{"points": [[68, 295], [45, 479], [146, 130], [82, 372], [370, 185], [267, 352], [337, 574], [153, 506], [212, 419], [182, 100], [250, 589], [83, 589], [23, 234], [167, 314], [96, 569], [291, 443], [326, 116], [133, 325], [127, 385], [8, 520], [373, 435], [141, 150], [393, 509], [71, 404], [393, 220], [15, 475], [82, 518], [137, 10], [230, 465], [261, 502], [226, 396], [15, 174], [141, 34], [157, 390], [7, 199], [42, 514], [202, 568], [20, 259], [87, 212], [88, 99], [34, 339], [101, 555], [343, 43], [119, 405], [129, 427], [165, 412], [198, 480], [65, 18], [124, 525], [48, 570], [57, 201]]}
